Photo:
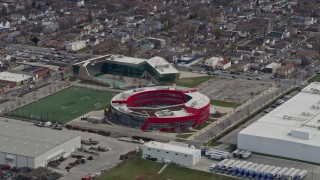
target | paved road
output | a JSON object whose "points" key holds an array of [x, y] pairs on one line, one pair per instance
{"points": [[208, 133], [121, 131]]}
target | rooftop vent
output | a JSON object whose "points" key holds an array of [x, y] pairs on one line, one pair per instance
{"points": [[301, 133]]}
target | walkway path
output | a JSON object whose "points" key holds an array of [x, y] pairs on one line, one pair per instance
{"points": [[159, 172]]}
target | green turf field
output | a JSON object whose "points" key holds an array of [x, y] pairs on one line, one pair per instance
{"points": [[65, 105]]}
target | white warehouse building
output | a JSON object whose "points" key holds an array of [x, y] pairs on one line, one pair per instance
{"points": [[171, 152], [291, 130], [30, 146]]}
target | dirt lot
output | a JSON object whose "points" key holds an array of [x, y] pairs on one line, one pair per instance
{"points": [[185, 74], [229, 89]]}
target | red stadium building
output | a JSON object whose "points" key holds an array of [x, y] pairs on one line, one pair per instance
{"points": [[160, 108]]}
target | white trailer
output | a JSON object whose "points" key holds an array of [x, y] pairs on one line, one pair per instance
{"points": [[264, 174], [226, 165], [302, 175], [244, 169], [273, 173], [255, 170], [259, 174], [227, 154], [217, 156], [223, 154], [236, 169], [281, 172], [294, 174], [220, 164], [286, 174], [230, 168]]}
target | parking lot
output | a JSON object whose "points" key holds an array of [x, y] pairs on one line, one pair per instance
{"points": [[106, 160], [234, 90]]}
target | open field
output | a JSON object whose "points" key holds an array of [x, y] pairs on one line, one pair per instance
{"points": [[224, 103], [192, 82], [137, 168], [65, 105]]}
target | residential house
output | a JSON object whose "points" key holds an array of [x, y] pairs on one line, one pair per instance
{"points": [[246, 49], [284, 31], [11, 38], [236, 57], [258, 43], [295, 61], [301, 20], [186, 59], [93, 41], [4, 87], [80, 3], [76, 45], [50, 25], [272, 68], [285, 71], [17, 18], [171, 56], [212, 62], [223, 65], [276, 35]]}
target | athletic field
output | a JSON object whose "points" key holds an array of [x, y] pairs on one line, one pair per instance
{"points": [[65, 105]]}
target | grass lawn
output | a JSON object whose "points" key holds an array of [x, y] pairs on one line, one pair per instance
{"points": [[202, 125], [83, 50], [184, 136], [315, 78], [65, 105], [213, 143], [192, 82], [224, 103], [138, 169], [231, 148]]}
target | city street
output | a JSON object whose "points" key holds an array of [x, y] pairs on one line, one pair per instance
{"points": [[246, 109]]}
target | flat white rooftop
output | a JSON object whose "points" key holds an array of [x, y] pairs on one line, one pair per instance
{"points": [[29, 141], [162, 66], [171, 147], [199, 100], [13, 77], [299, 114], [126, 59]]}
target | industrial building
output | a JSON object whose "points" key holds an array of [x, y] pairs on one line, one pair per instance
{"points": [[156, 69], [14, 79], [173, 153], [291, 130], [160, 108], [30, 146]]}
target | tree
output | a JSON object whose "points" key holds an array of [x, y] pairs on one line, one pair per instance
{"points": [[35, 39], [217, 33], [39, 6], [4, 11], [257, 3], [233, 47], [34, 5]]}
